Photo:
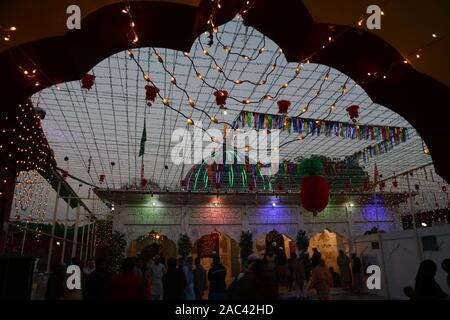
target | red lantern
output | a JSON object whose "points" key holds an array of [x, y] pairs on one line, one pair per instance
{"points": [[395, 183], [314, 193], [382, 185], [353, 112], [283, 106], [221, 98], [417, 187], [65, 174], [87, 81], [144, 183], [101, 178], [150, 94], [444, 189]]}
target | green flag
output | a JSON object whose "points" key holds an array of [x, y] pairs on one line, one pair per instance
{"points": [[143, 140]]}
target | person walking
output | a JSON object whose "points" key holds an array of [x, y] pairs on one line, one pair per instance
{"points": [[343, 262], [426, 287], [337, 283], [157, 271], [315, 258], [127, 285], [187, 269], [174, 282], [199, 280], [357, 273], [99, 282], [216, 278], [298, 277], [321, 281]]}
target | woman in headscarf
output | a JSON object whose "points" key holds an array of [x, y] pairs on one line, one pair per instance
{"points": [[426, 287]]}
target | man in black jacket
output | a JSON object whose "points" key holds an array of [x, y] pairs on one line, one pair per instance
{"points": [[216, 277], [174, 282]]}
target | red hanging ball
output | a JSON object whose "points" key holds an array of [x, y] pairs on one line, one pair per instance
{"points": [[395, 183], [353, 112], [65, 174], [144, 183], [101, 178], [314, 193], [283, 106], [87, 81], [221, 98], [382, 185], [444, 189], [150, 94], [417, 187]]}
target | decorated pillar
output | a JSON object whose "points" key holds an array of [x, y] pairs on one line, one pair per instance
{"points": [[7, 186]]}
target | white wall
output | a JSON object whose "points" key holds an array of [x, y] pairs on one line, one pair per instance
{"points": [[399, 257]]}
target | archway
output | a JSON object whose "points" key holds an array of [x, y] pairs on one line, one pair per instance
{"points": [[328, 243], [228, 249], [266, 241], [355, 52], [151, 245]]}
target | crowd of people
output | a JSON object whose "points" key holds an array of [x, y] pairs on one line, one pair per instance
{"points": [[262, 277]]}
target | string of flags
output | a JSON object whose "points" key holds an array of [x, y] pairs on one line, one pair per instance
{"points": [[260, 121]]}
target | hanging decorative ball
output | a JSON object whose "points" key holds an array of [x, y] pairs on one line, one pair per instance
{"points": [[395, 183], [353, 112], [150, 94], [64, 174], [87, 81], [221, 98], [101, 178], [417, 187], [183, 183], [66, 158], [113, 163], [283, 106], [166, 167], [314, 193], [80, 185], [382, 185], [144, 183], [444, 189]]}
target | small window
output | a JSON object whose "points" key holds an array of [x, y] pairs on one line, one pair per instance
{"points": [[429, 243]]}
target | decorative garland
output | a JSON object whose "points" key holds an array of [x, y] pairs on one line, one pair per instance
{"points": [[319, 127], [375, 150]]}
